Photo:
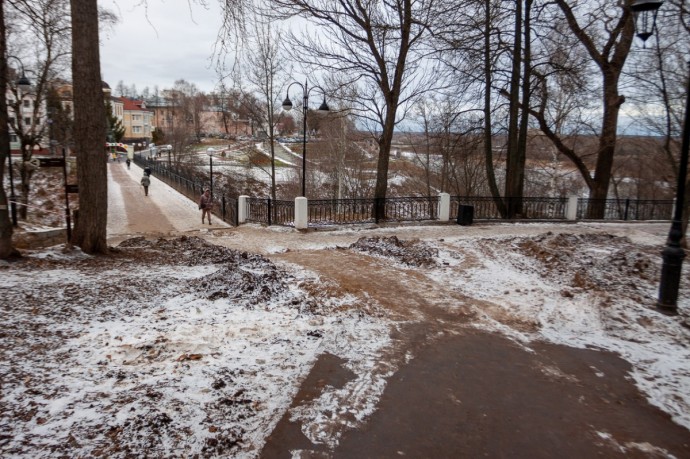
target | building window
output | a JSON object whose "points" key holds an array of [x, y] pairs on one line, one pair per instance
{"points": [[12, 120], [136, 117], [136, 129], [27, 103], [13, 138], [27, 121]]}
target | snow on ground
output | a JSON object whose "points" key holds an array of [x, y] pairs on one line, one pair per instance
{"points": [[183, 349], [176, 347]]}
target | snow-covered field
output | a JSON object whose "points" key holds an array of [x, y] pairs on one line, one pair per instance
{"points": [[179, 347], [186, 346]]}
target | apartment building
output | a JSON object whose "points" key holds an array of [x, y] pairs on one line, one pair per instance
{"points": [[137, 119]]}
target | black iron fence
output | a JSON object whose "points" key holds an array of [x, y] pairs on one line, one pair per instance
{"points": [[485, 208], [191, 187], [625, 209], [341, 211], [271, 212], [323, 212], [400, 209]]}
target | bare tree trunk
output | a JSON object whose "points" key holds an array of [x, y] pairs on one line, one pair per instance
{"points": [[512, 160], [89, 126], [488, 144], [6, 249]]}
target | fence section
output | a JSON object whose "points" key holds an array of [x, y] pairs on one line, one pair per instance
{"points": [[410, 209], [485, 208], [270, 212], [340, 211], [625, 209]]}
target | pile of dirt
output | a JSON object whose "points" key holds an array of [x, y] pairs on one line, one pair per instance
{"points": [[412, 253], [587, 262]]}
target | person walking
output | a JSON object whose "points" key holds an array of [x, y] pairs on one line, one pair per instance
{"points": [[128, 163], [147, 171], [146, 182], [206, 204]]}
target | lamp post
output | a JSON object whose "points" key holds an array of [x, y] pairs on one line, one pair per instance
{"points": [[210, 151], [287, 106], [645, 12], [23, 85]]}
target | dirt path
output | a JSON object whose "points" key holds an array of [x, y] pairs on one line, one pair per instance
{"points": [[468, 393]]}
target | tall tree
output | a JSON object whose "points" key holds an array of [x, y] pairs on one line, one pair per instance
{"points": [[42, 26], [606, 37], [265, 71], [377, 47], [89, 126], [6, 249]]}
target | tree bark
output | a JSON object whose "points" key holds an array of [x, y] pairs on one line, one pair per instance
{"points": [[610, 60], [512, 158], [6, 249], [488, 144], [89, 126]]}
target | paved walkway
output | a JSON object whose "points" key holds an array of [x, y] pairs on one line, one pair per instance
{"points": [[163, 212]]}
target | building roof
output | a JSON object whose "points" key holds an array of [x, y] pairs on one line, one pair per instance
{"points": [[133, 104]]}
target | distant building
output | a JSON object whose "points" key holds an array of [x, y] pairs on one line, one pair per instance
{"points": [[137, 120]]}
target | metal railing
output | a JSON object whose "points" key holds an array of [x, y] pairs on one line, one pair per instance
{"points": [[340, 211], [265, 210], [399, 209], [485, 208], [409, 209], [191, 187], [625, 209]]}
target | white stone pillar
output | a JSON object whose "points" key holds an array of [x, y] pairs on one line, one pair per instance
{"points": [[242, 209], [301, 213], [444, 207], [571, 208]]}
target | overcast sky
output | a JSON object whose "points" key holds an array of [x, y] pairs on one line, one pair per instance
{"points": [[158, 45]]}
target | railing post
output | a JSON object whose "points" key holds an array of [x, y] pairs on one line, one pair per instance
{"points": [[627, 207], [571, 208], [444, 207], [222, 200], [301, 213], [242, 209]]}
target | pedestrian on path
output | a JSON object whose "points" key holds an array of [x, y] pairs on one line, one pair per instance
{"points": [[206, 204], [145, 182], [128, 163]]}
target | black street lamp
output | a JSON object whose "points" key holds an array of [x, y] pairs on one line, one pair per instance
{"points": [[210, 151], [23, 86], [287, 106], [645, 12]]}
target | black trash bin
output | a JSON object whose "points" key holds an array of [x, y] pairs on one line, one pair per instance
{"points": [[465, 215]]}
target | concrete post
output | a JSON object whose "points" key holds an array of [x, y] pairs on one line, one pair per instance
{"points": [[301, 213], [571, 208], [444, 207], [242, 209]]}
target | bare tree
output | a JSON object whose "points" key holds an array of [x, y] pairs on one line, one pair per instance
{"points": [[606, 38], [6, 248], [45, 22], [375, 47], [264, 70]]}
